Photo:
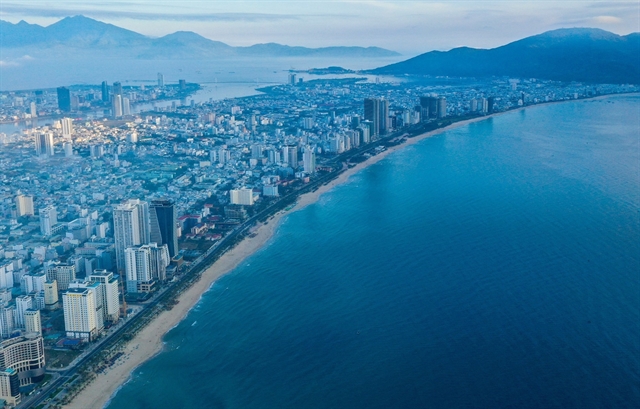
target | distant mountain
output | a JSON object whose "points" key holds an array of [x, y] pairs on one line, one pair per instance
{"points": [[576, 54], [82, 33], [285, 50]]}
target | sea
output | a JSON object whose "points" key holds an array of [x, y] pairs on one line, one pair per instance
{"points": [[495, 265]]}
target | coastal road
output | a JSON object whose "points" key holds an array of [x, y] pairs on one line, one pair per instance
{"points": [[339, 163]]}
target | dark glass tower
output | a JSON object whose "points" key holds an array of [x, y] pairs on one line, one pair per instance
{"points": [[162, 214], [372, 113], [117, 88], [105, 92], [64, 99]]}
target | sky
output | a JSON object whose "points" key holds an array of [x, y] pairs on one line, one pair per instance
{"points": [[409, 27]]}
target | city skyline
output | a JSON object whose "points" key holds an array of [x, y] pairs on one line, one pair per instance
{"points": [[437, 25], [338, 227]]}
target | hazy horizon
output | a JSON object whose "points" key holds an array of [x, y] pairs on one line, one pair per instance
{"points": [[408, 27]]}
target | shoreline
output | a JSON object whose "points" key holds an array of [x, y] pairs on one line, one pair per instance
{"points": [[148, 342]]}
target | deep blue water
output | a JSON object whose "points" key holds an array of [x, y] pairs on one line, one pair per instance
{"points": [[494, 266]]}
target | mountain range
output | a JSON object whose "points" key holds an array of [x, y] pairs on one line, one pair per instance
{"points": [[572, 54], [82, 33]]}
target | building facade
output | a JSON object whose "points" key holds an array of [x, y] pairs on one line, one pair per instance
{"points": [[25, 355], [130, 228], [79, 306], [109, 292], [24, 205], [163, 224]]}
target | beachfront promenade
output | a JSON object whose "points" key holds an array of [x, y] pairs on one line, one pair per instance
{"points": [[125, 332], [117, 333]]}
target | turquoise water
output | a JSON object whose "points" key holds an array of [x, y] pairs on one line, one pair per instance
{"points": [[494, 266]]}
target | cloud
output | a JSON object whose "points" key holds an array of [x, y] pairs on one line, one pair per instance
{"points": [[15, 9], [16, 62], [607, 20]]}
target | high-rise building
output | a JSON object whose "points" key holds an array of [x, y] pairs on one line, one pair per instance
{"points": [[6, 274], [44, 143], [182, 84], [308, 122], [117, 88], [442, 107], [32, 282], [67, 126], [429, 107], [145, 265], [384, 117], [7, 320], [257, 151], [98, 296], [48, 219], [473, 105], [241, 196], [126, 107], [51, 295], [24, 205], [109, 293], [80, 319], [38, 300], [32, 321], [160, 80], [372, 113], [163, 224], [10, 387], [33, 110], [62, 274], [309, 159], [23, 303], [25, 355], [270, 190], [290, 155], [116, 105], [292, 79], [67, 147], [355, 122], [131, 227], [105, 92], [490, 104], [64, 99], [365, 132], [160, 259]]}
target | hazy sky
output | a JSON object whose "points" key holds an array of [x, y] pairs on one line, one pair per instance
{"points": [[406, 26]]}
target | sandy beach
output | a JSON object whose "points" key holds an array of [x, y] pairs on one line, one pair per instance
{"points": [[148, 342]]}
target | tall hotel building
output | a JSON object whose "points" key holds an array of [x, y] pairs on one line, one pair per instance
{"points": [[80, 320], [48, 219], [372, 113], [44, 144], [130, 228], [145, 265], [25, 355], [163, 221], [108, 293], [24, 205], [21, 363]]}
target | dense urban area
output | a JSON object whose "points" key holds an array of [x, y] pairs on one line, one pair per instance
{"points": [[107, 212]]}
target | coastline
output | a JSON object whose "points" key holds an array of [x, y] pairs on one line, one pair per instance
{"points": [[148, 342]]}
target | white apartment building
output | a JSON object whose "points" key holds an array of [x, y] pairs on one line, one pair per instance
{"points": [[241, 196], [79, 306]]}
